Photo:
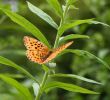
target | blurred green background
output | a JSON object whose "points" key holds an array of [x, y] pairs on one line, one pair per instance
{"points": [[12, 47]]}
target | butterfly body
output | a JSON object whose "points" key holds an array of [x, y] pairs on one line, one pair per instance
{"points": [[40, 53]]}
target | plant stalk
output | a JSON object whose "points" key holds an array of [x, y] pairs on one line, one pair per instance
{"points": [[55, 46], [61, 23], [41, 86]]}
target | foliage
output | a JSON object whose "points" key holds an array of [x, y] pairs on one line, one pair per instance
{"points": [[98, 43]]}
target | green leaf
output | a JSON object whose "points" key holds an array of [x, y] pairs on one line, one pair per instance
{"points": [[69, 87], [97, 22], [75, 23], [14, 52], [22, 89], [14, 75], [42, 15], [35, 88], [70, 2], [7, 62], [72, 36], [27, 25], [86, 54], [74, 76], [73, 7], [67, 26], [55, 4]]}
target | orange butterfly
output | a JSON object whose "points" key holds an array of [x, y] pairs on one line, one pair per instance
{"points": [[40, 53]]}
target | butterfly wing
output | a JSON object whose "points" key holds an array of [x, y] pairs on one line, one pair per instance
{"points": [[33, 44], [57, 51], [33, 56], [36, 50]]}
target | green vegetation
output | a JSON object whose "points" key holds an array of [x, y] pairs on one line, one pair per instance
{"points": [[78, 73]]}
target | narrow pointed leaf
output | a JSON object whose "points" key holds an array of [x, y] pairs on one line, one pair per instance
{"points": [[35, 88], [68, 87], [67, 26], [14, 52], [56, 6], [70, 2], [42, 15], [22, 89], [86, 54], [17, 76], [97, 22], [72, 24], [72, 36], [75, 76], [27, 25], [9, 63]]}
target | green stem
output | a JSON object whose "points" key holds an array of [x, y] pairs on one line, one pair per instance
{"points": [[56, 41], [57, 37], [55, 46], [61, 23], [41, 86]]}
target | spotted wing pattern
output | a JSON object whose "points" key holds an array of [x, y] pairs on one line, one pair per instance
{"points": [[34, 56], [39, 53], [35, 45], [57, 51]]}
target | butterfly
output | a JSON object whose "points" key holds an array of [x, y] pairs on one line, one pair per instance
{"points": [[39, 53]]}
